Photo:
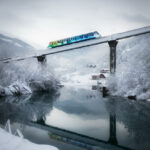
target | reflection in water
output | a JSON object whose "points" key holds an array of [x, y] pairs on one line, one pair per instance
{"points": [[24, 108], [112, 120], [112, 129], [135, 118]]}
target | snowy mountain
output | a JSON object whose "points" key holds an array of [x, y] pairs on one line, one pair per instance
{"points": [[13, 47]]}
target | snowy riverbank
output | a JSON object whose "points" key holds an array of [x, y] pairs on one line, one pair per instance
{"points": [[12, 142]]}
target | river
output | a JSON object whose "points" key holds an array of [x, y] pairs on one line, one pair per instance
{"points": [[79, 118]]}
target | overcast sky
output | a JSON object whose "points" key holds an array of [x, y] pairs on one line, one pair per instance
{"points": [[41, 21]]}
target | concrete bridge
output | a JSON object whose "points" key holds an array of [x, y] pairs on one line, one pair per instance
{"points": [[112, 41]]}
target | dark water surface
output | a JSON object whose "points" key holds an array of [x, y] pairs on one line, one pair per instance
{"points": [[77, 117]]}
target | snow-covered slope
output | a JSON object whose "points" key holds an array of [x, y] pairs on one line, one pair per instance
{"points": [[13, 47], [133, 68]]}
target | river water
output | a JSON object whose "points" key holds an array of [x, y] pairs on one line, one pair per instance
{"points": [[74, 117]]}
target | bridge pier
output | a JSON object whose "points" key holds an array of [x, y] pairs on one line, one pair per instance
{"points": [[41, 59], [113, 45]]}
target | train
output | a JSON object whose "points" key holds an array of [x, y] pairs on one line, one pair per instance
{"points": [[74, 39]]}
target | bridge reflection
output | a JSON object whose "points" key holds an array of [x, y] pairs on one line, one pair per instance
{"points": [[112, 129], [81, 140]]}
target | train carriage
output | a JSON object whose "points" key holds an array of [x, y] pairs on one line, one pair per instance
{"points": [[75, 39]]}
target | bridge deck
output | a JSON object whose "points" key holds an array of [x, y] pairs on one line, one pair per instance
{"points": [[75, 46]]}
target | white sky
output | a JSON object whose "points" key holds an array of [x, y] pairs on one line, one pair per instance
{"points": [[40, 21]]}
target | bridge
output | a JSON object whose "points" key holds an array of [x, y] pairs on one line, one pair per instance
{"points": [[112, 41]]}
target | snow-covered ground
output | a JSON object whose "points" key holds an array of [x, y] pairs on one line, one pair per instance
{"points": [[11, 142], [83, 80], [77, 79]]}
